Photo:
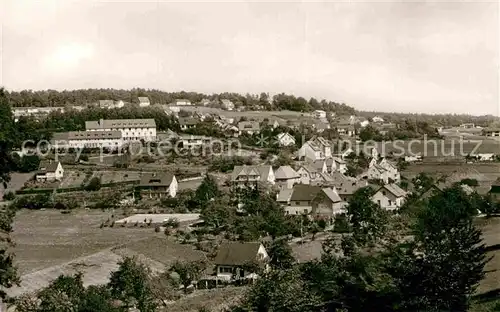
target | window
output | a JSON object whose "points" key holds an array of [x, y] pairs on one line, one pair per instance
{"points": [[383, 193], [297, 203], [305, 211], [390, 202], [378, 201], [225, 270]]}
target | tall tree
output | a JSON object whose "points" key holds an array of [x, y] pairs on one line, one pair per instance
{"points": [[7, 137], [207, 190]]}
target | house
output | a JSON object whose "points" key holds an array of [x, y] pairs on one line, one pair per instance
{"points": [[389, 196], [377, 172], [412, 158], [158, 185], [131, 129], [286, 177], [319, 114], [386, 127], [144, 101], [250, 127], [321, 126], [338, 180], [494, 191], [316, 148], [491, 132], [320, 165], [484, 156], [106, 104], [88, 139], [188, 122], [49, 171], [232, 257], [314, 200], [251, 175], [336, 164], [194, 141], [227, 104], [364, 123], [307, 173], [346, 130], [378, 119], [285, 139], [393, 172], [205, 102], [183, 102], [347, 189]]}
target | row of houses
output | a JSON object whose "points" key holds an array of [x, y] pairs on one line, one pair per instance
{"points": [[110, 134]]}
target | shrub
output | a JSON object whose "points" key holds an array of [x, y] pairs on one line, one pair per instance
{"points": [[9, 196], [94, 184], [341, 225]]}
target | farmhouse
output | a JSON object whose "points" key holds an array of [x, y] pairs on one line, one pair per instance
{"points": [[131, 129], [251, 175], [158, 185], [144, 101], [88, 139], [49, 171], [285, 139], [389, 196], [307, 173], [232, 257], [286, 177]]}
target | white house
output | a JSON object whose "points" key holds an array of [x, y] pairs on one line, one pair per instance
{"points": [[484, 156], [336, 164], [307, 173], [192, 141], [320, 165], [286, 177], [251, 175], [316, 148], [131, 129], [389, 196], [158, 185], [377, 172], [110, 139], [393, 172], [49, 171], [319, 113], [227, 104], [183, 102], [232, 257], [378, 119], [285, 139], [144, 101]]}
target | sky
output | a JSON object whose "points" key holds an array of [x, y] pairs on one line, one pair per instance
{"points": [[428, 57]]}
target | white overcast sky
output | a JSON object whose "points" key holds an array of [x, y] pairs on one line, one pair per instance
{"points": [[390, 56]]}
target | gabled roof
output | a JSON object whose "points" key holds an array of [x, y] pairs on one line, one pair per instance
{"points": [[309, 168], [226, 102], [47, 166], [284, 195], [236, 253], [143, 99], [349, 188], [286, 172], [394, 189], [318, 164], [156, 179], [284, 134], [304, 192], [240, 173], [332, 195]]}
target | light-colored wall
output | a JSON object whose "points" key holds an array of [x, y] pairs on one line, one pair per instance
{"points": [[387, 201], [174, 186]]}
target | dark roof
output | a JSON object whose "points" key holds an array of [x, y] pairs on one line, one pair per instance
{"points": [[188, 121], [47, 166], [304, 192], [236, 253], [156, 179], [120, 123]]}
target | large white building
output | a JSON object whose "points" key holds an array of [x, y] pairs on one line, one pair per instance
{"points": [[88, 139], [131, 129]]}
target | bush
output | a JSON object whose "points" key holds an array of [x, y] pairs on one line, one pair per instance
{"points": [[341, 225], [9, 196], [94, 184]]}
